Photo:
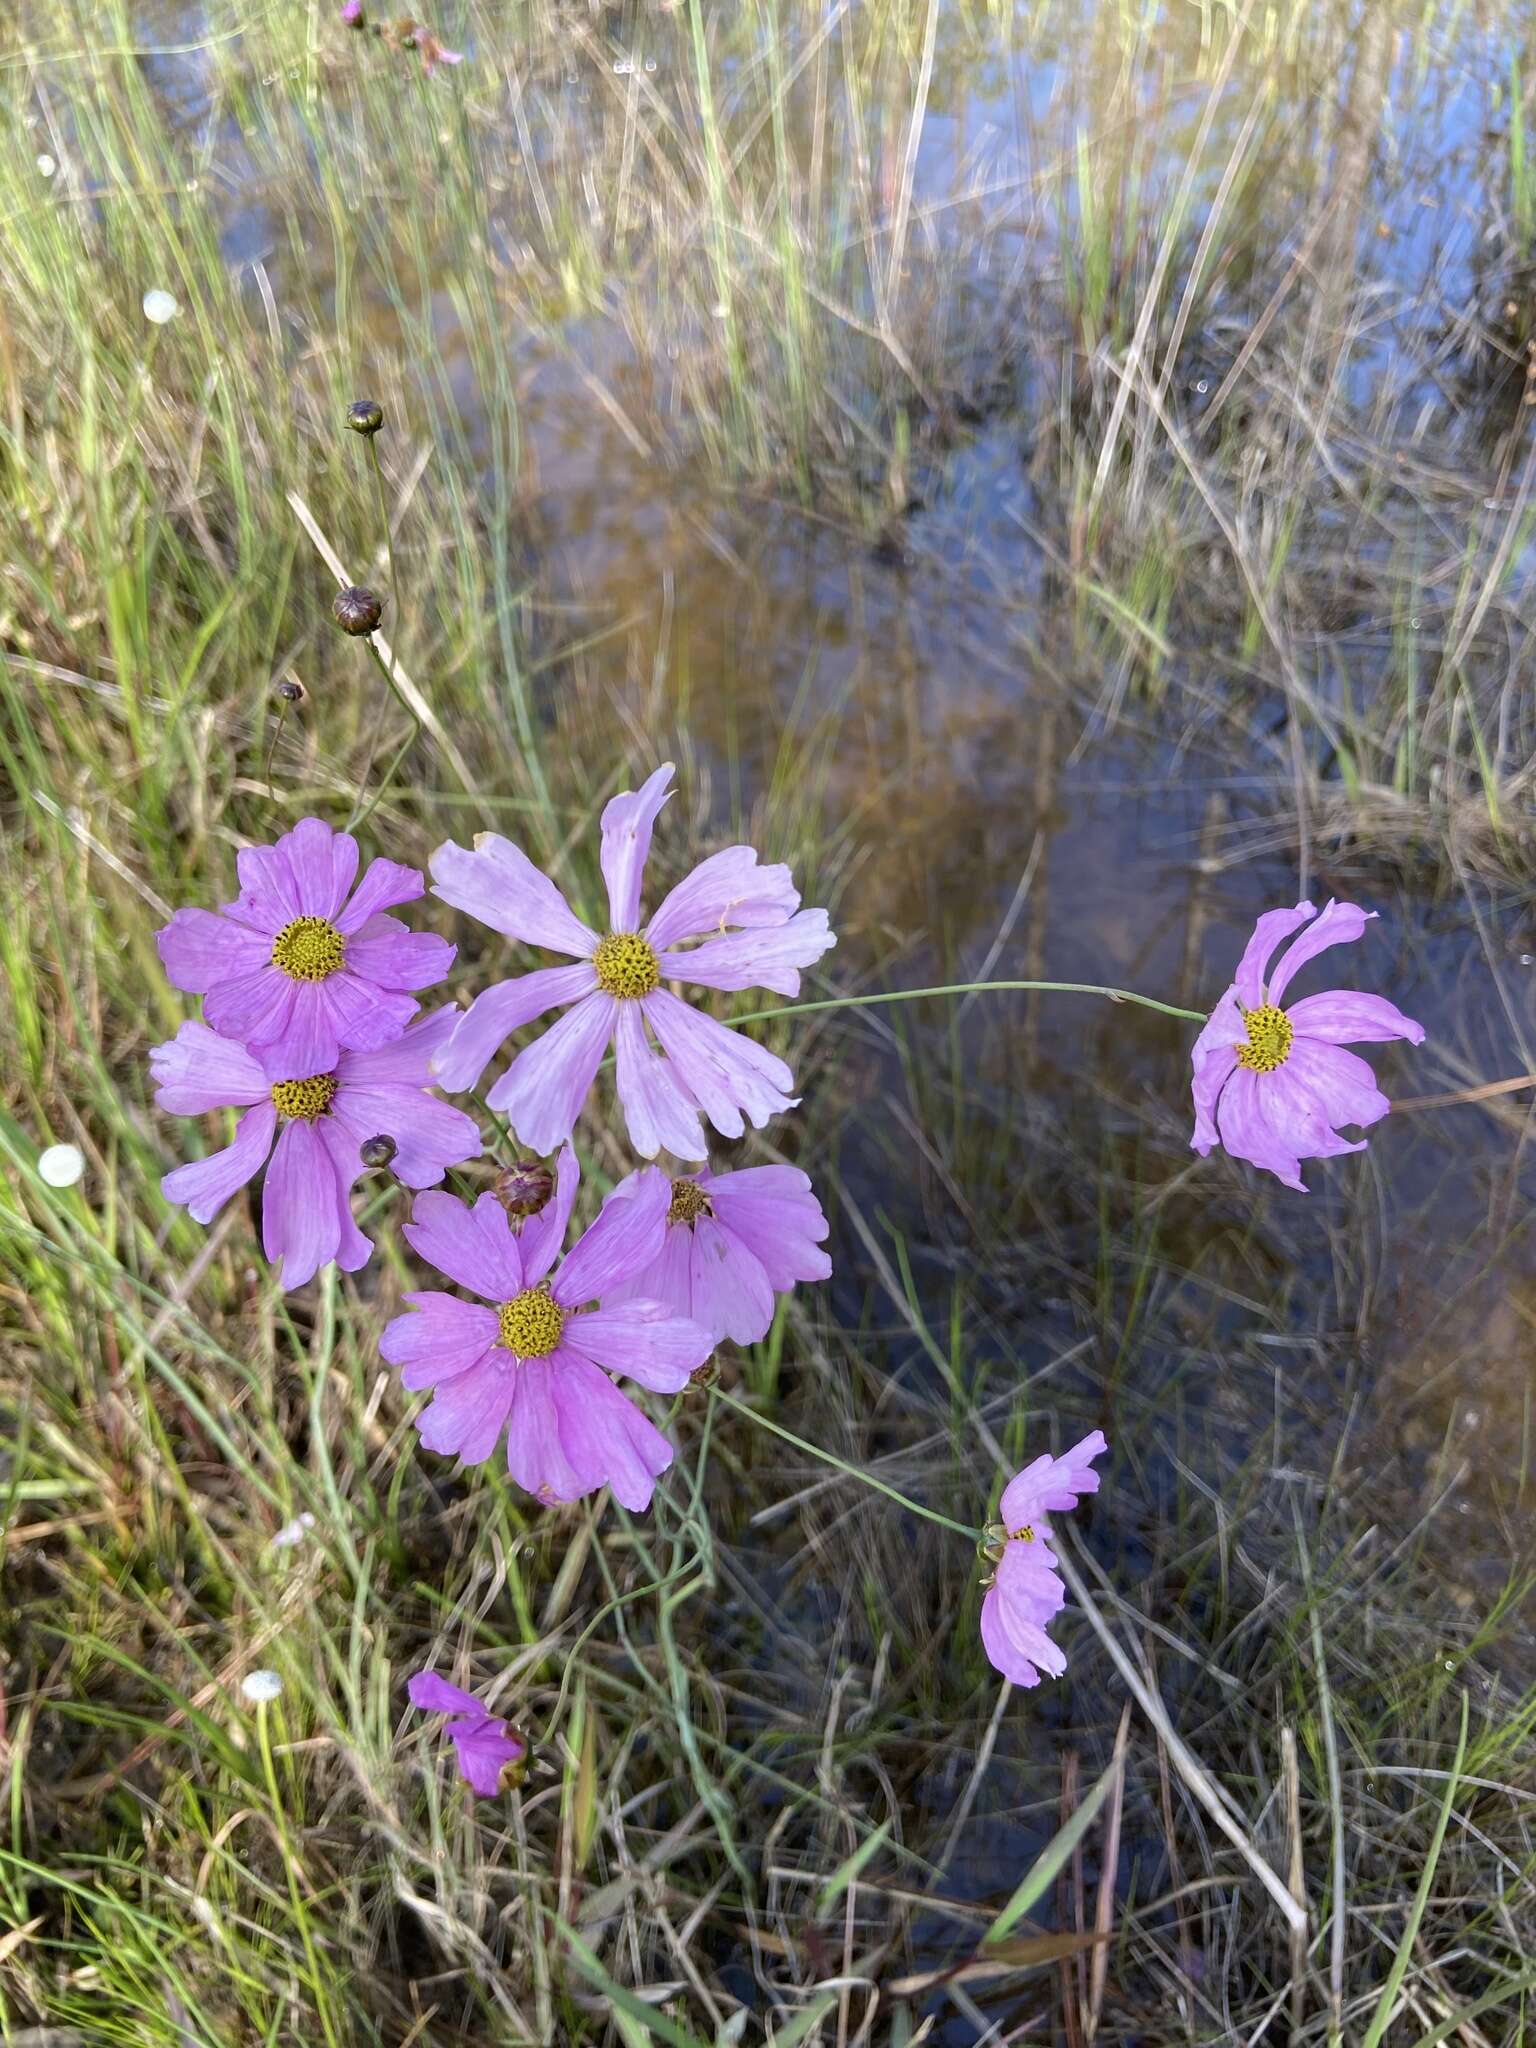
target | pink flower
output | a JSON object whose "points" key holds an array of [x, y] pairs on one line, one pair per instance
{"points": [[297, 965], [758, 938], [1271, 1084], [734, 1241], [537, 1363], [491, 1757], [306, 1214], [1026, 1591]]}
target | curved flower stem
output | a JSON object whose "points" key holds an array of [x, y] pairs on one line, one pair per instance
{"points": [[914, 1507], [967, 988], [361, 817]]}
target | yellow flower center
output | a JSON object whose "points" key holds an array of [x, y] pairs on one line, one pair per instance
{"points": [[308, 1098], [1270, 1032], [531, 1323], [689, 1203], [626, 965], [309, 949]]}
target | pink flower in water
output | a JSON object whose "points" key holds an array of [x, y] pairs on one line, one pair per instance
{"points": [[536, 1363], [734, 1241], [301, 964], [320, 1121], [757, 937], [492, 1757], [1272, 1084], [1026, 1590]]}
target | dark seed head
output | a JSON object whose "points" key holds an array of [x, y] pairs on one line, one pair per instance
{"points": [[289, 691], [378, 1151], [524, 1189], [356, 610], [365, 416], [707, 1374]]}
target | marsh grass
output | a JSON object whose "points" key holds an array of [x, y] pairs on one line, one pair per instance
{"points": [[798, 275]]}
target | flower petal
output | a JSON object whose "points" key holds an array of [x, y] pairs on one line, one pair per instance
{"points": [[499, 885], [197, 1071], [626, 1236], [1213, 1058], [269, 895], [604, 1434], [255, 1007], [430, 1135], [203, 1186], [1248, 1133], [1271, 928], [774, 1213], [1016, 1646], [731, 1293], [729, 890], [466, 1415], [483, 1746], [435, 1695], [1337, 925], [726, 1072], [499, 1011], [1339, 1082], [642, 1340], [536, 1456], [398, 958], [322, 862], [1341, 1017], [542, 1092], [657, 1110], [627, 822], [200, 950], [299, 1222], [353, 1249], [543, 1234], [384, 884], [755, 959], [474, 1246], [407, 1061], [444, 1337], [1052, 1483]]}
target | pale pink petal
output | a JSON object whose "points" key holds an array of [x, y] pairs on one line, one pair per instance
{"points": [[755, 959], [269, 895], [391, 956], [1338, 924], [543, 1234], [353, 1249], [627, 1235], [443, 1337], [642, 1340], [323, 863], [430, 1136], [727, 1073], [1052, 1483], [200, 950], [604, 1434], [542, 1092], [499, 885], [384, 884], [1271, 928], [299, 1205], [473, 1246], [197, 1070], [499, 1011], [536, 1457], [434, 1695], [484, 1747], [667, 1279], [657, 1111], [1341, 1017], [1030, 1581], [1247, 1132], [1213, 1058], [407, 1061], [731, 1293], [627, 823], [773, 1211], [466, 1415], [1340, 1082], [203, 1186], [254, 1008], [729, 891], [1016, 1646]]}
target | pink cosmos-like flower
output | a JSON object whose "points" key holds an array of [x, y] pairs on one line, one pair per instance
{"points": [[734, 1241], [302, 964], [1272, 1084], [487, 1748], [320, 1121], [537, 1362], [758, 937], [1026, 1591]]}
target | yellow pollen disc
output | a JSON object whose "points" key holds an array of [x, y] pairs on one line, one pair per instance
{"points": [[689, 1203], [626, 965], [1024, 1535], [308, 1098], [531, 1323], [309, 949], [1270, 1032]]}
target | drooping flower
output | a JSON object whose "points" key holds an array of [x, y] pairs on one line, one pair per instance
{"points": [[302, 965], [1026, 1590], [734, 1241], [492, 1757], [753, 933], [536, 1362], [320, 1122], [1272, 1084]]}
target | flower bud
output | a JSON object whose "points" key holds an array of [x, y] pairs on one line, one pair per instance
{"points": [[352, 14], [289, 691], [378, 1151], [365, 416], [524, 1188], [356, 610]]}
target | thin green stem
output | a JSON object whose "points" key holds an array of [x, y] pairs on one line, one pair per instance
{"points": [[853, 1471], [291, 1871], [361, 817], [967, 988]]}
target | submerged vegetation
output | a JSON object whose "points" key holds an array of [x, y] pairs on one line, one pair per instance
{"points": [[1062, 480]]}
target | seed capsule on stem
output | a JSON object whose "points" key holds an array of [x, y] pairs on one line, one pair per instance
{"points": [[357, 610]]}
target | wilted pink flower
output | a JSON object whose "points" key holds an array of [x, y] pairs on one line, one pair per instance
{"points": [[759, 938], [320, 1121], [734, 1241], [1271, 1084], [352, 14], [295, 964], [1026, 1591], [491, 1756], [537, 1362]]}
